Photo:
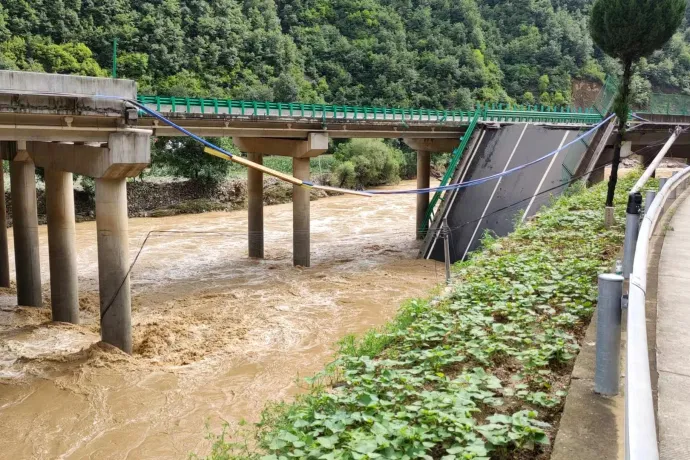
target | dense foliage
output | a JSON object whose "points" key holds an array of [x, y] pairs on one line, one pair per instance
{"points": [[432, 53], [629, 30], [477, 373], [366, 162]]}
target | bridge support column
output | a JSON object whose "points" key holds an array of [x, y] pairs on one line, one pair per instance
{"points": [[424, 148], [300, 214], [301, 150], [64, 296], [25, 228], [255, 205], [113, 258], [4, 251], [423, 180]]}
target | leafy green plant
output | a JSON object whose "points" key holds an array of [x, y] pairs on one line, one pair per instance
{"points": [[479, 372], [366, 162]]}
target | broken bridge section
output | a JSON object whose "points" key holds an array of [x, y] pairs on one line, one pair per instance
{"points": [[497, 205]]}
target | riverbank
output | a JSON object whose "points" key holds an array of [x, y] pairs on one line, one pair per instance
{"points": [[478, 372], [161, 198], [216, 335]]}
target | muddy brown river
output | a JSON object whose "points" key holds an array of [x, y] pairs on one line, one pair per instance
{"points": [[216, 335]]}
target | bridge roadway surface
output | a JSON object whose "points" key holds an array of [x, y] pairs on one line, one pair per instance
{"points": [[673, 341], [494, 205]]}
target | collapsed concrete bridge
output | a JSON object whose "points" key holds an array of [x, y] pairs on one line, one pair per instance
{"points": [[84, 125]]}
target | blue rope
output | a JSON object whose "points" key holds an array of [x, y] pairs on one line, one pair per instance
{"points": [[160, 117], [470, 183]]}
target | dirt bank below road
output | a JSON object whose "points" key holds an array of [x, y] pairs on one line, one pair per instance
{"points": [[159, 199]]}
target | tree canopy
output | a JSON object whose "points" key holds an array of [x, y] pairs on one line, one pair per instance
{"points": [[631, 29], [430, 53], [628, 30]]}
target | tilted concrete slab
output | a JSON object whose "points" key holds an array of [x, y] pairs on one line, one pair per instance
{"points": [[16, 82]]}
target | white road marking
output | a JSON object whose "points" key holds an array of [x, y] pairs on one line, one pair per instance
{"points": [[536, 192], [488, 203]]}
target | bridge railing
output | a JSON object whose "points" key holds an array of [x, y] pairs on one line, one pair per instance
{"points": [[640, 422], [493, 112], [450, 170]]}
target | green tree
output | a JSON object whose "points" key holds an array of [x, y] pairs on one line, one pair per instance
{"points": [[366, 162], [528, 98], [545, 99], [544, 83], [628, 30], [559, 100], [184, 157]]}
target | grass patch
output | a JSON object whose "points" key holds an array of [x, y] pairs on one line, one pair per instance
{"points": [[477, 373]]}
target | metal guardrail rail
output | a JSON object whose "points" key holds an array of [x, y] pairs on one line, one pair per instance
{"points": [[640, 422], [493, 112]]}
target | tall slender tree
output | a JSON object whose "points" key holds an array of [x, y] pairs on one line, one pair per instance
{"points": [[628, 30]]}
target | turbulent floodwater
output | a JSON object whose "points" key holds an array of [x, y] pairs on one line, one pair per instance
{"points": [[216, 335]]}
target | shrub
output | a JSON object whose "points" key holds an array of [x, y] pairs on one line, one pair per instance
{"points": [[183, 157], [366, 162], [344, 175]]}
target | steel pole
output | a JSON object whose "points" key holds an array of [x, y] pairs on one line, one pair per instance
{"points": [[657, 160], [446, 247], [648, 200], [607, 373], [632, 228]]}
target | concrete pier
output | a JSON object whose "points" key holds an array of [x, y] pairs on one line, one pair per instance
{"points": [[64, 295], [300, 214], [423, 181], [25, 230], [255, 205], [4, 250], [113, 262], [301, 150]]}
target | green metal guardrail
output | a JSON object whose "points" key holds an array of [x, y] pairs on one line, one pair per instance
{"points": [[493, 112], [455, 160]]}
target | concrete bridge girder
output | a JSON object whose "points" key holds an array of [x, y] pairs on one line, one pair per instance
{"points": [[300, 151], [313, 146], [127, 154]]}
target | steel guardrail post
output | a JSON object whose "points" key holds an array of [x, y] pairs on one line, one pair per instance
{"points": [[632, 228], [648, 200], [608, 348]]}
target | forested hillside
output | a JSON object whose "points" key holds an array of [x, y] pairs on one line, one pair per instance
{"points": [[430, 53]]}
